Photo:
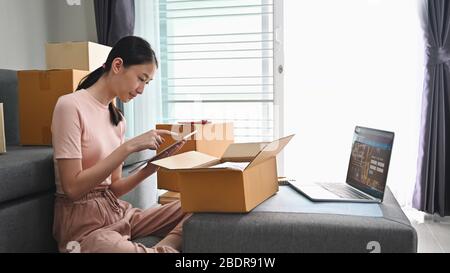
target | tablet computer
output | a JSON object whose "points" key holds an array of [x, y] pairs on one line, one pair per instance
{"points": [[158, 155]]}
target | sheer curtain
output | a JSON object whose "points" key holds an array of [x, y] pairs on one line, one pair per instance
{"points": [[352, 62], [145, 110]]}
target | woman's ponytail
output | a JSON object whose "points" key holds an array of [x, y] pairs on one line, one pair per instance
{"points": [[115, 114], [92, 78]]}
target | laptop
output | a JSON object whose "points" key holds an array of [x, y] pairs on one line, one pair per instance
{"points": [[366, 175]]}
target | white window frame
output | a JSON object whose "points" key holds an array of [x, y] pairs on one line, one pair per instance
{"points": [[278, 78]]}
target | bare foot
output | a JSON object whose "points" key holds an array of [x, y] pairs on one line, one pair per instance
{"points": [[172, 240]]}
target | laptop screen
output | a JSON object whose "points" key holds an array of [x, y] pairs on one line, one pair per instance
{"points": [[369, 160]]}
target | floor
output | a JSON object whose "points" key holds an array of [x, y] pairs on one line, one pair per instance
{"points": [[433, 232]]}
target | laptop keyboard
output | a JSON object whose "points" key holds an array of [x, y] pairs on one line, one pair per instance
{"points": [[343, 191]]}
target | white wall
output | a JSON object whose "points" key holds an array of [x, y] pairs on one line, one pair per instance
{"points": [[71, 23], [23, 28], [26, 25]]}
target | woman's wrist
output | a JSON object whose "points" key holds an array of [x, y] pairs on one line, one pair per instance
{"points": [[128, 148], [150, 169]]}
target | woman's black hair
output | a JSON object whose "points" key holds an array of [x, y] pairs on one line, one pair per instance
{"points": [[133, 51]]}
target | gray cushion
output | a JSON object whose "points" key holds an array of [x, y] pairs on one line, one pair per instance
{"points": [[300, 232], [26, 225], [25, 171], [148, 241], [288, 200], [9, 98]]}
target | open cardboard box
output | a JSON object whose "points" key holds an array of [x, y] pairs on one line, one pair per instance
{"points": [[227, 189], [211, 138]]}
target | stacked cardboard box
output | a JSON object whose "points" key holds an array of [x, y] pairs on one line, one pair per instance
{"points": [[211, 139], [76, 55], [38, 93], [67, 64], [168, 197]]}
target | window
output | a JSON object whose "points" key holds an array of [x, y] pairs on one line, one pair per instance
{"points": [[352, 62], [217, 63]]}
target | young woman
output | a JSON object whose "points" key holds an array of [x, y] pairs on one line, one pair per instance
{"points": [[89, 149]]}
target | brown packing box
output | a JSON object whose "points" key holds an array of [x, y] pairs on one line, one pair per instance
{"points": [[168, 197], [38, 94], [2, 131], [206, 189], [76, 55], [211, 138]]}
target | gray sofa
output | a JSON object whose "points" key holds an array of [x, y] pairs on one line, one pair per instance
{"points": [[26, 200], [26, 184], [288, 222]]}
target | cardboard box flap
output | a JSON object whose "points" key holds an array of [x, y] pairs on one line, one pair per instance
{"points": [[270, 150], [243, 150], [186, 160]]}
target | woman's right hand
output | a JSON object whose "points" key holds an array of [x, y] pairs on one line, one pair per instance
{"points": [[148, 140]]}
